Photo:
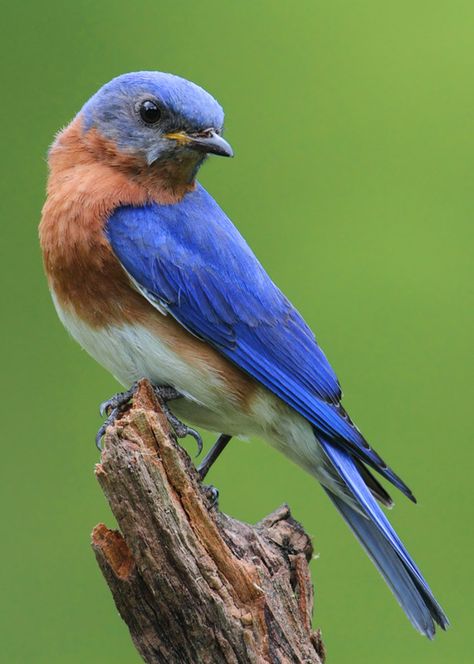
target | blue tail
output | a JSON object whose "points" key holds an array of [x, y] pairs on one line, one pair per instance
{"points": [[384, 546]]}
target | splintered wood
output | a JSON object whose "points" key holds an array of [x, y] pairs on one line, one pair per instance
{"points": [[194, 585]]}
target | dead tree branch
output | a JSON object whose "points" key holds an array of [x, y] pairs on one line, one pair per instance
{"points": [[192, 584]]}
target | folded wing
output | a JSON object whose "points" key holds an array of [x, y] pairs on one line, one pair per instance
{"points": [[191, 262]]}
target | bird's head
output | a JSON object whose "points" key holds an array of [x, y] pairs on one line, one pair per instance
{"points": [[157, 119]]}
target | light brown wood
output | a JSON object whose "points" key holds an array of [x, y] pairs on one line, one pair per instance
{"points": [[193, 584]]}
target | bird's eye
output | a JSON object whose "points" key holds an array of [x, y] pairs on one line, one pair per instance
{"points": [[149, 111]]}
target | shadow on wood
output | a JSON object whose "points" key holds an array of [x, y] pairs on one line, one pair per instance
{"points": [[192, 584]]}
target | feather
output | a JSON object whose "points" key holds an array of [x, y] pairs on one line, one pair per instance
{"points": [[384, 546], [190, 256]]}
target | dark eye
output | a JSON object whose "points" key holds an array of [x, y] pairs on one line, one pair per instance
{"points": [[149, 111]]}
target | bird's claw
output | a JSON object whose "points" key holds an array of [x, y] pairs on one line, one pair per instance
{"points": [[112, 408], [117, 401], [197, 437], [112, 415], [212, 495], [182, 430], [165, 393]]}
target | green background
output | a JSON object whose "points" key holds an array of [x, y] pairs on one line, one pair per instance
{"points": [[352, 124]]}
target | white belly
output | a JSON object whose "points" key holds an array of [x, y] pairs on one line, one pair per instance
{"points": [[131, 352]]}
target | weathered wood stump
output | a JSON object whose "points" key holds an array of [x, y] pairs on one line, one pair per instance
{"points": [[193, 584]]}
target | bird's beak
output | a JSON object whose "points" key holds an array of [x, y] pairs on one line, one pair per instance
{"points": [[208, 141]]}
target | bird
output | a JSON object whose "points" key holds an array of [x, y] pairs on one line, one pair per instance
{"points": [[154, 281]]}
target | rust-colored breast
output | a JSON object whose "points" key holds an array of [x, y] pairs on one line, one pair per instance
{"points": [[88, 180]]}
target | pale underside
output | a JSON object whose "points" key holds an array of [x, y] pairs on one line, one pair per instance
{"points": [[131, 352]]}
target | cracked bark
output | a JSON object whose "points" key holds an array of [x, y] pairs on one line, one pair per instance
{"points": [[193, 584]]}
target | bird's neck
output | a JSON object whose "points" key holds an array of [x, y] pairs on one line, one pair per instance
{"points": [[87, 182], [165, 182]]}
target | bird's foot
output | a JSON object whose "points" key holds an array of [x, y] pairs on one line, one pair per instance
{"points": [[212, 495], [165, 393], [113, 408]]}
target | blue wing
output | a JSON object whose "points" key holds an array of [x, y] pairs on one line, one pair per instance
{"points": [[191, 260]]}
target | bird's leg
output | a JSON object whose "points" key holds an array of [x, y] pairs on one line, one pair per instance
{"points": [[211, 491], [212, 455], [113, 407], [165, 393]]}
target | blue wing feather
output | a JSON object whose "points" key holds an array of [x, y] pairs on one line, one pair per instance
{"points": [[192, 258]]}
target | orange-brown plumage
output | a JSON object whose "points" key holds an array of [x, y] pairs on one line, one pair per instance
{"points": [[89, 177]]}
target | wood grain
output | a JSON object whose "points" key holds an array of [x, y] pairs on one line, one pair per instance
{"points": [[193, 584]]}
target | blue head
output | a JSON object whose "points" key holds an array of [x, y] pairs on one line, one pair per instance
{"points": [[157, 117]]}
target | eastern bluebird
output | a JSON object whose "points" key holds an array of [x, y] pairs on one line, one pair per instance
{"points": [[150, 276]]}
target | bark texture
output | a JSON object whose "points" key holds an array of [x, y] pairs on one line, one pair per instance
{"points": [[194, 585]]}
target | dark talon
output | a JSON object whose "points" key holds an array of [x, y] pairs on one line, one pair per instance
{"points": [[103, 408], [212, 494], [197, 437], [115, 405], [112, 416], [165, 393], [117, 401], [182, 430], [112, 408], [98, 437]]}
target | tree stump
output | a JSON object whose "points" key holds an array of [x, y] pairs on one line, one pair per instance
{"points": [[195, 585]]}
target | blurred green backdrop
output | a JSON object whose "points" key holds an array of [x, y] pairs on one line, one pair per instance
{"points": [[352, 124]]}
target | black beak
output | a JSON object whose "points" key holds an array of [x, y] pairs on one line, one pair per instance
{"points": [[208, 141]]}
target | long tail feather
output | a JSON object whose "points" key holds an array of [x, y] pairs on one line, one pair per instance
{"points": [[384, 546]]}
